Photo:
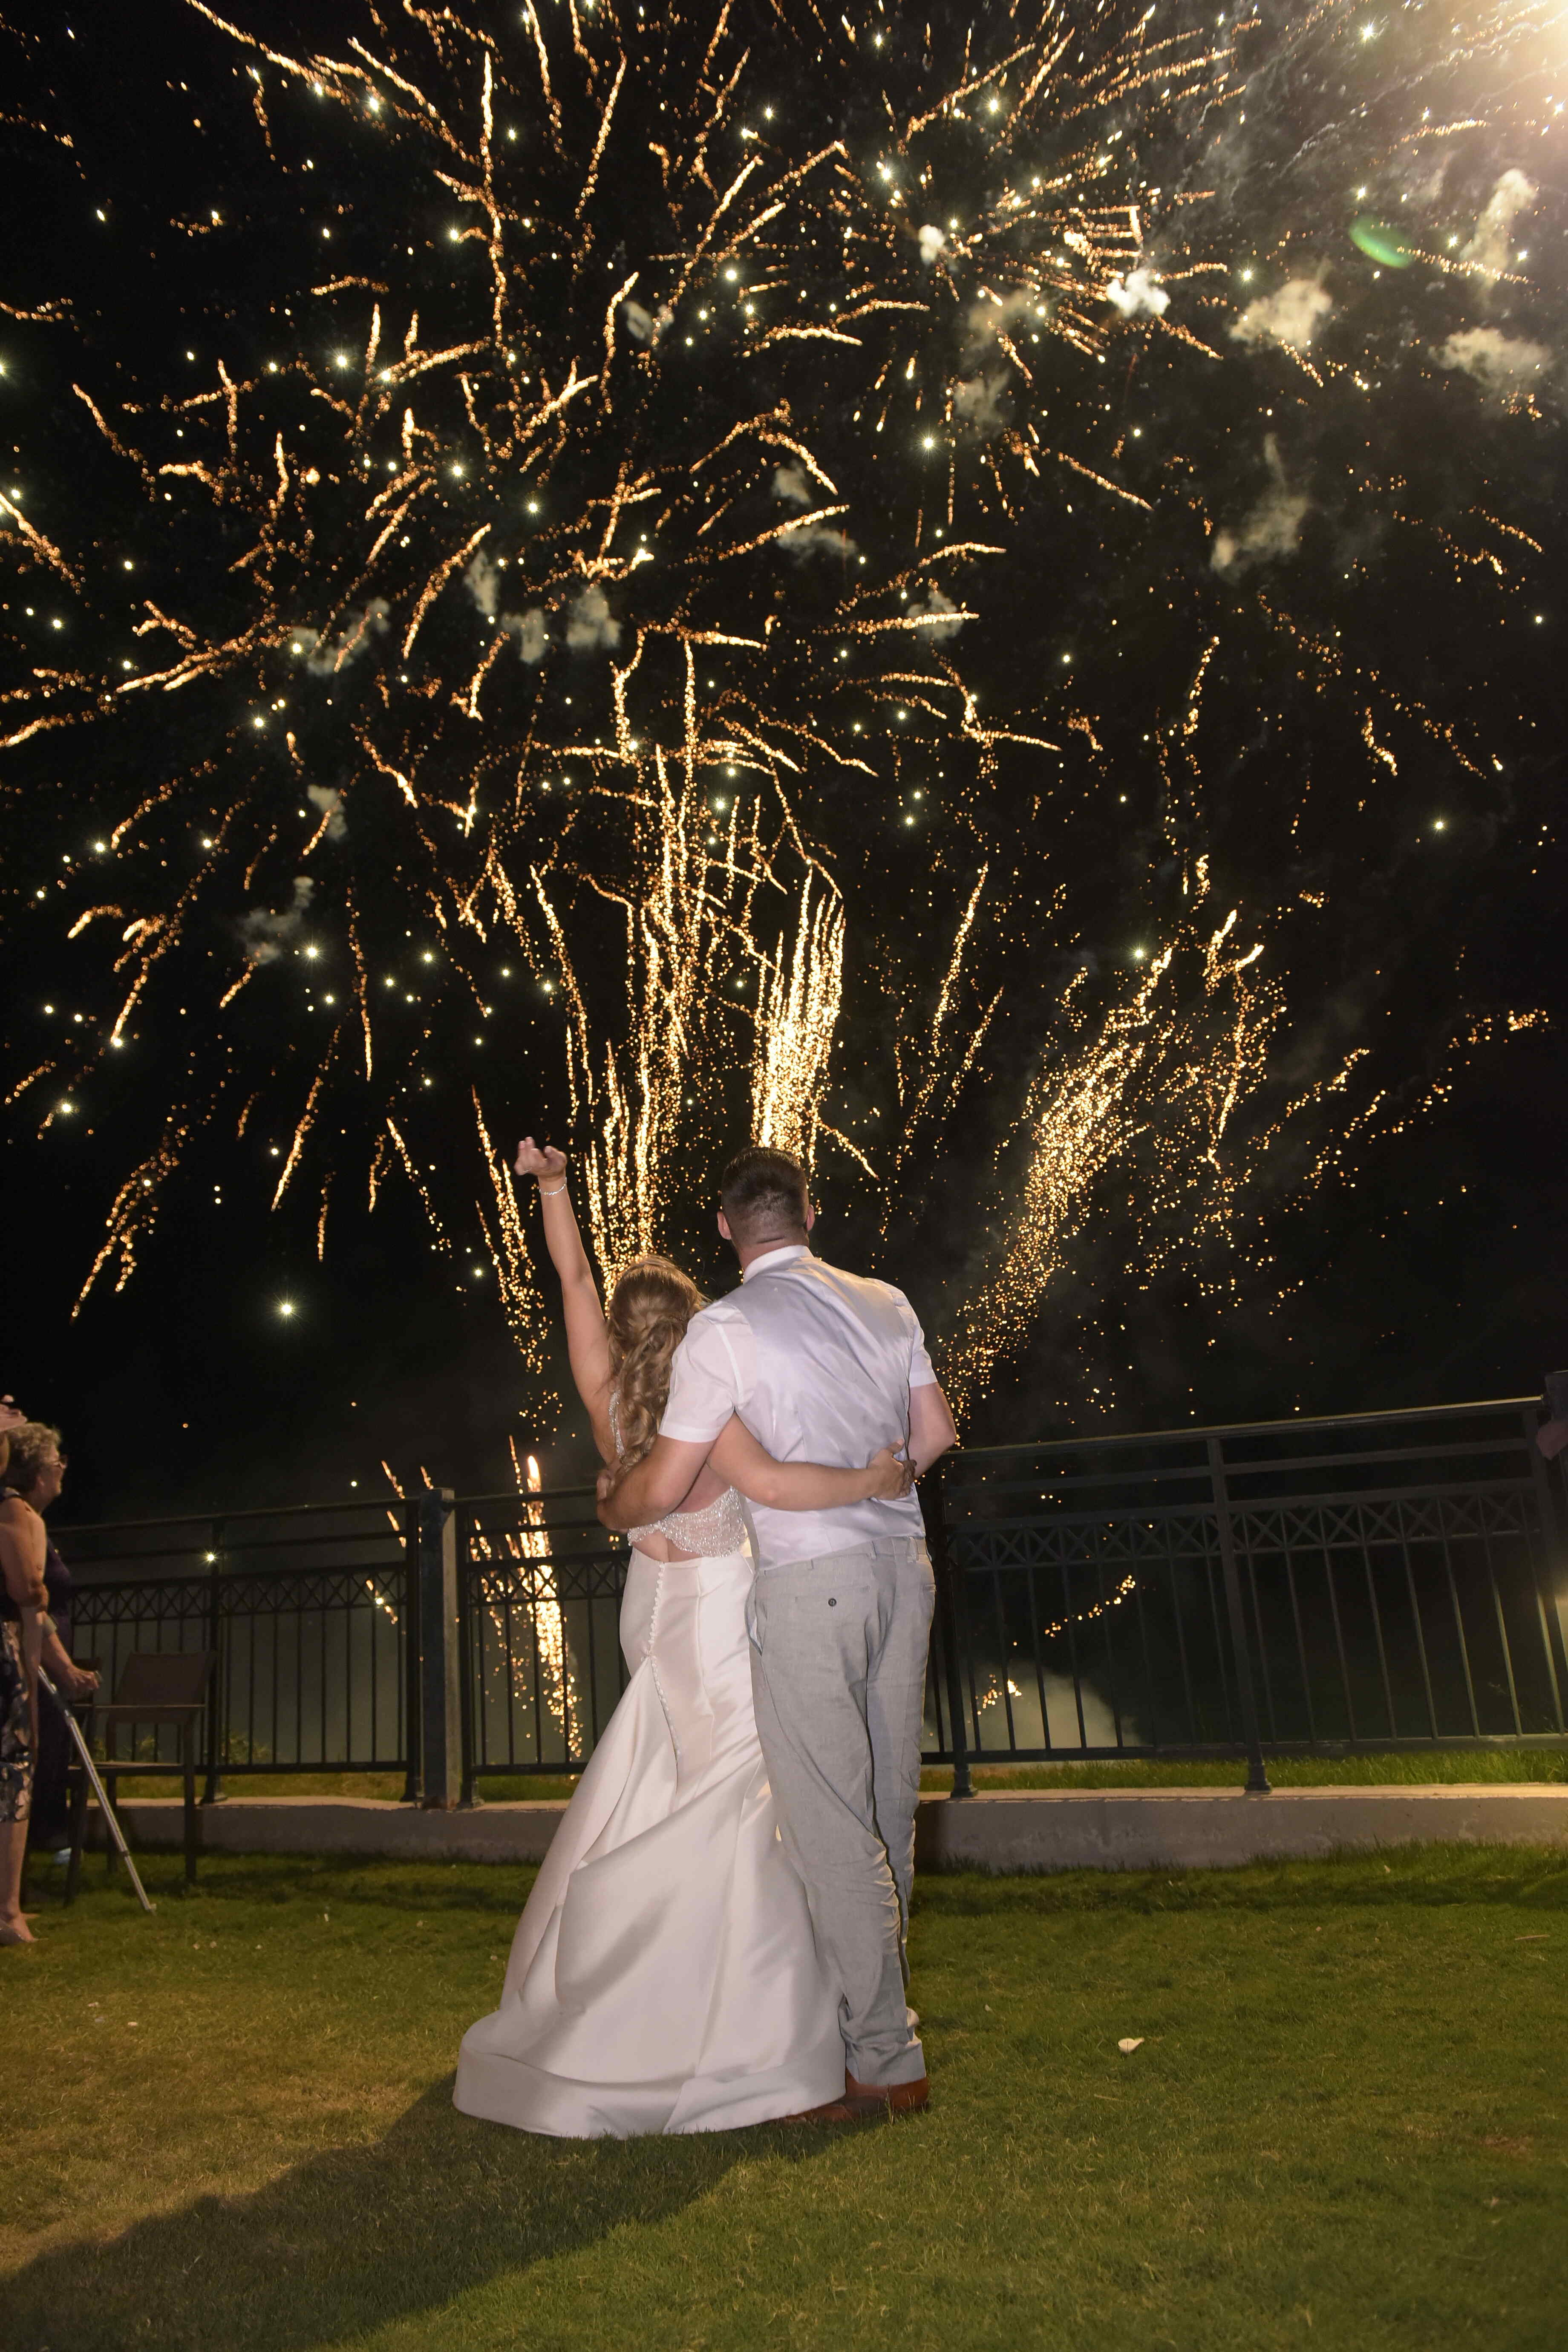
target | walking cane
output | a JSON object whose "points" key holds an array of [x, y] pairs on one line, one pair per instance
{"points": [[91, 1768]]}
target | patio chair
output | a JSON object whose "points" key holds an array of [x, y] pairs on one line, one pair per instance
{"points": [[156, 1687]]}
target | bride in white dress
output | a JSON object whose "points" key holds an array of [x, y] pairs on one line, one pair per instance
{"points": [[663, 1976]]}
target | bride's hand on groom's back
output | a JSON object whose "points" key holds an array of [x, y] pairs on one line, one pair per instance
{"points": [[893, 1476]]}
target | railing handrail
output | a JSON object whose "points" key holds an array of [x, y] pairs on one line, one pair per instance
{"points": [[1242, 1429], [314, 1510], [201, 1578], [967, 1453], [515, 1495], [1165, 1472], [228, 1518]]}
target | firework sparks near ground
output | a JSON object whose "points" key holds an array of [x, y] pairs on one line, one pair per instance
{"points": [[737, 569]]}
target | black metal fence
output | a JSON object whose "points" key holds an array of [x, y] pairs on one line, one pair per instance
{"points": [[539, 1605], [1374, 1581], [307, 1610], [1370, 1581]]}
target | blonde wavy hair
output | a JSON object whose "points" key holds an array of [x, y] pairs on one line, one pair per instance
{"points": [[649, 1309]]}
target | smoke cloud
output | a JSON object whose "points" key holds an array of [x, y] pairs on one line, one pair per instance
{"points": [[1273, 528], [645, 326], [590, 623], [265, 934], [1490, 249], [939, 633], [324, 656], [818, 539], [482, 581], [979, 401], [996, 313], [790, 485], [932, 243], [329, 801], [1290, 316], [530, 630], [1504, 364], [1139, 296]]}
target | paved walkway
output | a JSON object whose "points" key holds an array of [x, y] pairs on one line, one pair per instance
{"points": [[1011, 1830]]}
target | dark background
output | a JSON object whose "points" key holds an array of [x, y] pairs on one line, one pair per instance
{"points": [[1428, 1267]]}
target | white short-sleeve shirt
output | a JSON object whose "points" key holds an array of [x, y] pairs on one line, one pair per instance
{"points": [[818, 1364]]}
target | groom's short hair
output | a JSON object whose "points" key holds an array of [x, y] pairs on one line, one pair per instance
{"points": [[764, 1193]]}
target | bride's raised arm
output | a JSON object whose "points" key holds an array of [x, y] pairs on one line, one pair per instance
{"points": [[804, 1486], [587, 1343]]}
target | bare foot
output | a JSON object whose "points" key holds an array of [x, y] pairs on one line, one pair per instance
{"points": [[16, 1931]]}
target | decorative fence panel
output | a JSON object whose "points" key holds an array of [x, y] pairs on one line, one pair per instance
{"points": [[1381, 1581], [308, 1612], [539, 1584]]}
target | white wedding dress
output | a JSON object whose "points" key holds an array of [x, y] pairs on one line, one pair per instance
{"points": [[663, 1976]]}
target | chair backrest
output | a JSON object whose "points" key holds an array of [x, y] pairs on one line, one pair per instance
{"points": [[157, 1678]]}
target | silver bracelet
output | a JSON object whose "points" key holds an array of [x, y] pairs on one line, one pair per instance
{"points": [[547, 1191]]}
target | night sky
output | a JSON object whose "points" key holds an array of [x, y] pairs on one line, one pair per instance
{"points": [[1209, 378]]}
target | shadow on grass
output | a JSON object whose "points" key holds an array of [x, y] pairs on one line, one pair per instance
{"points": [[359, 2237]]}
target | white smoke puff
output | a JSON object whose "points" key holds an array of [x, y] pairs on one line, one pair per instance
{"points": [[994, 313], [1429, 187], [978, 403], [590, 623], [329, 801], [818, 539], [1290, 316], [532, 631], [790, 484], [362, 632], [326, 655], [1139, 296], [482, 581], [1272, 529], [932, 243], [1490, 249], [1505, 364], [938, 633], [265, 933], [645, 326]]}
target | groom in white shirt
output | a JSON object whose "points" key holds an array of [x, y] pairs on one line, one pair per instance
{"points": [[822, 1365]]}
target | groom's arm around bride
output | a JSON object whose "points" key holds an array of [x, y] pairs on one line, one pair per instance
{"points": [[825, 1366]]}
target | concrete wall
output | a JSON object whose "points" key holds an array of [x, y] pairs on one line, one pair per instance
{"points": [[1004, 1829]]}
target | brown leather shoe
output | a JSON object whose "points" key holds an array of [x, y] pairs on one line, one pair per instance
{"points": [[887, 2098], [831, 2111]]}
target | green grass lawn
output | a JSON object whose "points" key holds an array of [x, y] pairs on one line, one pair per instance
{"points": [[1422, 1767], [230, 2127]]}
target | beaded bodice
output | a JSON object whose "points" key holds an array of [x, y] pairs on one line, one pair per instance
{"points": [[718, 1529]]}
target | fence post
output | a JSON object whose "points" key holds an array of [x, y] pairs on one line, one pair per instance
{"points": [[935, 1504], [412, 1680], [212, 1787], [440, 1726], [1257, 1778], [1551, 1525]]}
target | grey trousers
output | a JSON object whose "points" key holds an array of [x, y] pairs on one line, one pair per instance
{"points": [[838, 1671]]}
